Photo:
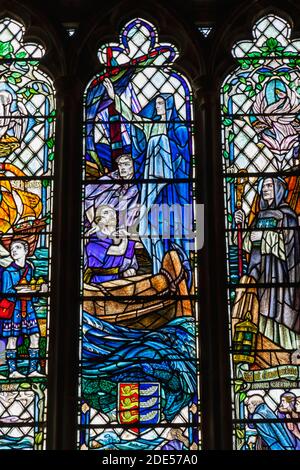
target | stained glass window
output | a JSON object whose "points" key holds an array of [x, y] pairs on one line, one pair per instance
{"points": [[260, 133], [139, 346], [27, 116]]}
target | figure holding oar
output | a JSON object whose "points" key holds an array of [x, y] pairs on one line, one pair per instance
{"points": [[240, 217], [274, 264]]}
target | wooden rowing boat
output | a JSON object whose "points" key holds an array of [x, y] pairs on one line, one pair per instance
{"points": [[149, 301]]}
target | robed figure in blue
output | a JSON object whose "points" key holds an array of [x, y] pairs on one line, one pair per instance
{"points": [[160, 146], [271, 433]]}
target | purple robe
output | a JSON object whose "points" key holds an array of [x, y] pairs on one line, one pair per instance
{"points": [[121, 196], [174, 444], [102, 266]]}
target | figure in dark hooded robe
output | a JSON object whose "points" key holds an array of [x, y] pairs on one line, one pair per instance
{"points": [[274, 263]]}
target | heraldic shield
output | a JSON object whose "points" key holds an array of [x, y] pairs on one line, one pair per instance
{"points": [[139, 403]]}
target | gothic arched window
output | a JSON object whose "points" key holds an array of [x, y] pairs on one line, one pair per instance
{"points": [[261, 148], [139, 352], [26, 184]]}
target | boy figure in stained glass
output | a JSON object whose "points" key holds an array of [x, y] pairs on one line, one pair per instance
{"points": [[23, 320], [109, 253], [274, 249]]}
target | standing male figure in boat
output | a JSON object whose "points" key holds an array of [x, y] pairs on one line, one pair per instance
{"points": [[23, 320], [123, 196], [163, 138], [109, 252]]}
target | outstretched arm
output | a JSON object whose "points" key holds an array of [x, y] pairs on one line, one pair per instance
{"points": [[109, 88], [142, 123]]}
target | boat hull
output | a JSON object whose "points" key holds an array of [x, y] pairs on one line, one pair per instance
{"points": [[141, 301], [138, 315]]}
